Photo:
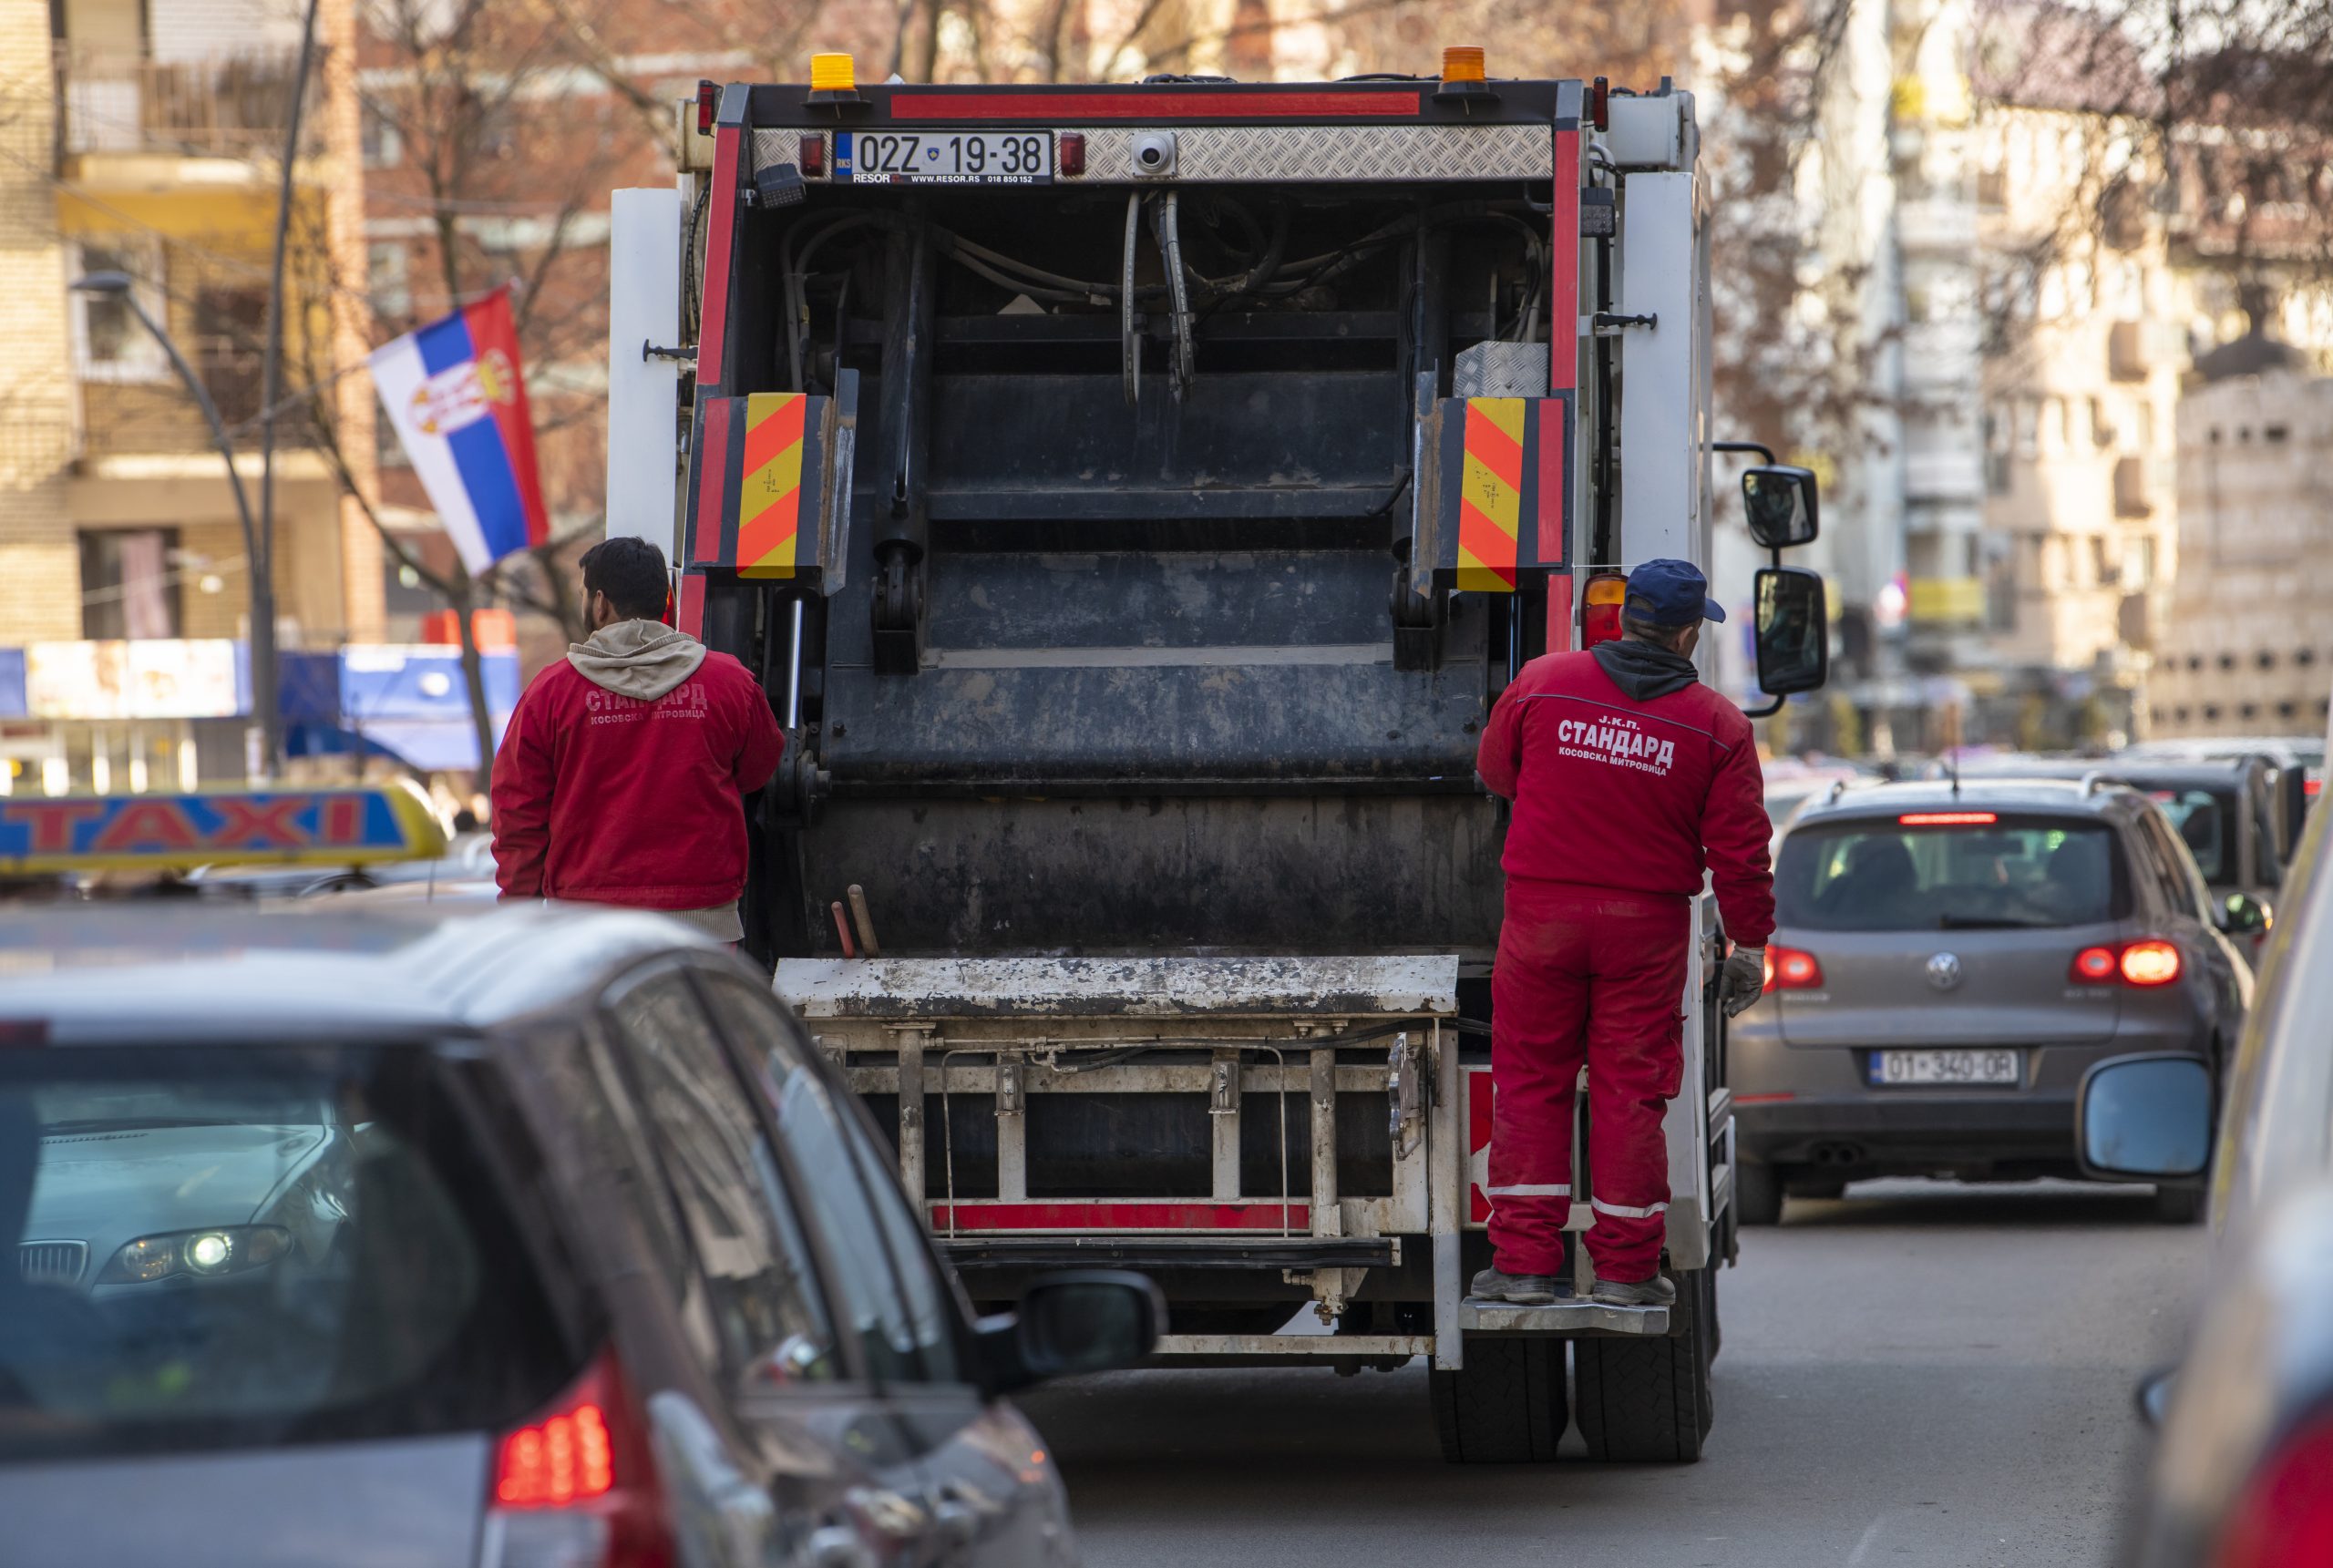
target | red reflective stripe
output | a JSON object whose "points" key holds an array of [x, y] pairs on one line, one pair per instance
{"points": [[1004, 1217], [1563, 301], [712, 482], [691, 616], [1176, 104], [712, 328]]}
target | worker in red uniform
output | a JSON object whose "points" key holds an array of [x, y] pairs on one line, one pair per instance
{"points": [[623, 775], [1629, 778]]}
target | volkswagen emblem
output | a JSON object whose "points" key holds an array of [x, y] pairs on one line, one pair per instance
{"points": [[1944, 971]]}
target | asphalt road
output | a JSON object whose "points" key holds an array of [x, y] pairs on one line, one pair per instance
{"points": [[1916, 1376]]}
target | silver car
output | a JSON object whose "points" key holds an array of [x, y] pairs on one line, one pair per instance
{"points": [[2240, 1477], [1947, 961], [519, 1237]]}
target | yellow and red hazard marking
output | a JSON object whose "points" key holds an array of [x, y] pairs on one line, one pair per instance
{"points": [[769, 495], [1490, 495]]}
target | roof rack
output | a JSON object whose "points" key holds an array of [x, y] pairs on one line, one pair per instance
{"points": [[2097, 779]]}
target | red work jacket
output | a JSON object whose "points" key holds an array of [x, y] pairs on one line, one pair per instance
{"points": [[1640, 795], [608, 799]]}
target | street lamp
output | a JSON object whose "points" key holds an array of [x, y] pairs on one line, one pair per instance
{"points": [[256, 551]]}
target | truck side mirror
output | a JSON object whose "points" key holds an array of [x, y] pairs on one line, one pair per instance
{"points": [[1792, 630], [1782, 503], [2145, 1117]]}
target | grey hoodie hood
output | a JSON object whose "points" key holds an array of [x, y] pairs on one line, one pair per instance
{"points": [[643, 659], [1643, 670]]}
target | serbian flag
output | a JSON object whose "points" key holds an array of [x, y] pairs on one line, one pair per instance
{"points": [[454, 391]]}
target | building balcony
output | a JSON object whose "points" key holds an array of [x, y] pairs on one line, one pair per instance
{"points": [[112, 107], [1937, 226]]}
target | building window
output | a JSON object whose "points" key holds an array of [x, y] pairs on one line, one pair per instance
{"points": [[389, 278], [2102, 561], [109, 343], [2101, 429], [2211, 713], [2275, 433], [129, 583], [230, 330], [2146, 424], [378, 140], [2028, 426], [2287, 710], [2304, 657], [2227, 661], [2247, 710], [2195, 662], [2266, 659]]}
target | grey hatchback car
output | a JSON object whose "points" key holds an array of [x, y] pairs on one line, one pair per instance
{"points": [[1945, 964]]}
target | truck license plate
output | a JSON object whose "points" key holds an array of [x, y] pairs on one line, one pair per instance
{"points": [[1891, 1069], [944, 157]]}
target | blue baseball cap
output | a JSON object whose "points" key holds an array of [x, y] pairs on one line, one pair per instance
{"points": [[1670, 593]]}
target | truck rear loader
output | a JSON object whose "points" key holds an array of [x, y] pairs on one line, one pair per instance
{"points": [[1132, 498]]}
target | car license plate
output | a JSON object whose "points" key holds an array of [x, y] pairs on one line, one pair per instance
{"points": [[1894, 1069], [944, 157]]}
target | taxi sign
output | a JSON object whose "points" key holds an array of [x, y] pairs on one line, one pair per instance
{"points": [[350, 826]]}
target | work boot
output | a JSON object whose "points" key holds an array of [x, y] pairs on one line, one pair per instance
{"points": [[1657, 1291], [1519, 1289]]}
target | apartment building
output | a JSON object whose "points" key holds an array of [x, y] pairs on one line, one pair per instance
{"points": [[2249, 648], [148, 141], [2061, 604]]}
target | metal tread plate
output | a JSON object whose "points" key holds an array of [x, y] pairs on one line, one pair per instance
{"points": [[1403, 985], [1564, 1318]]}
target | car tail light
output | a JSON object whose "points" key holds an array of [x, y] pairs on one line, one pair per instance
{"points": [[1599, 612], [810, 156], [2151, 963], [575, 1488], [1947, 819], [2286, 1514], [1790, 969], [1069, 153], [2093, 966]]}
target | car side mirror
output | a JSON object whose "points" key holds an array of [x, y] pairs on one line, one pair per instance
{"points": [[2242, 915], [1792, 630], [2144, 1118], [1782, 505], [1088, 1320]]}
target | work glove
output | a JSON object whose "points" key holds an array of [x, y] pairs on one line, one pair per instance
{"points": [[1743, 980]]}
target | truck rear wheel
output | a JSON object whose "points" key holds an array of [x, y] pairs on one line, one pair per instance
{"points": [[1647, 1401], [1506, 1406]]}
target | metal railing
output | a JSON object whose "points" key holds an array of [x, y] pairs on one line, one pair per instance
{"points": [[225, 106]]}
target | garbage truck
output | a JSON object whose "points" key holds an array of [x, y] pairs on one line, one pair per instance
{"points": [[1131, 497]]}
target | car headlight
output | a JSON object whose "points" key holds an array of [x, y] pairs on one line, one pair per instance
{"points": [[223, 1249]]}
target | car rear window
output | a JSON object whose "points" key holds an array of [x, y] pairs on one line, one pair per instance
{"points": [[2205, 820], [204, 1248], [1985, 871]]}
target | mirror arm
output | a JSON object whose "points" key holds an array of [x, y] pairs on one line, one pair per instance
{"points": [[1768, 711], [1764, 452]]}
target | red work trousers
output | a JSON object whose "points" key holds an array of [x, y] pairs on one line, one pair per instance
{"points": [[1584, 976]]}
